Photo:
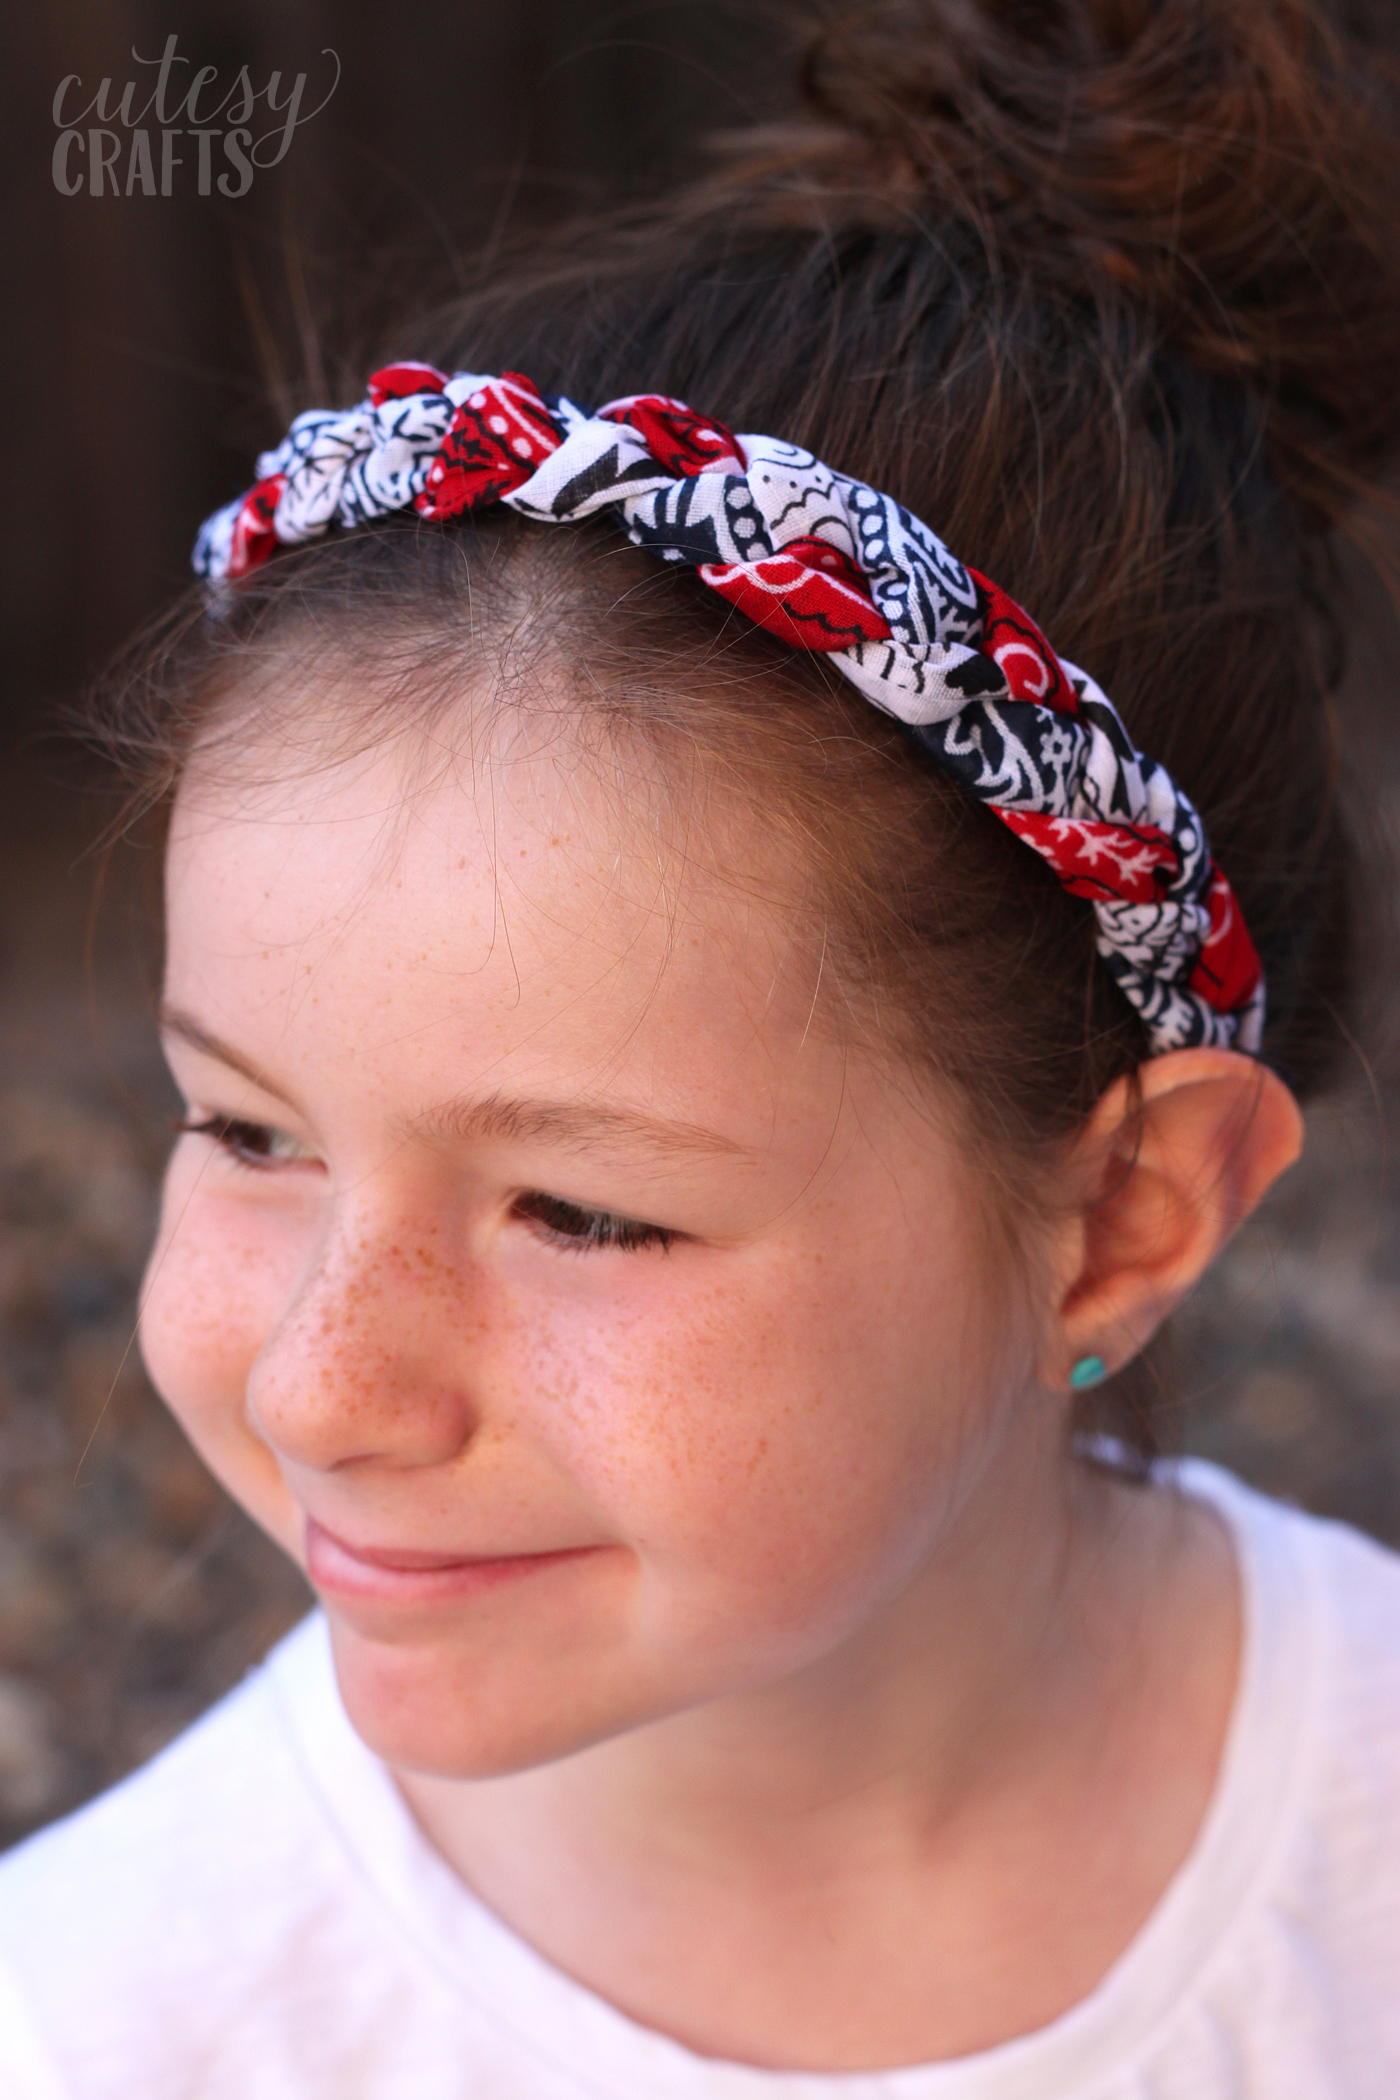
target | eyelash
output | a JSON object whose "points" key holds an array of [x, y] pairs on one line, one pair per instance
{"points": [[570, 1225], [248, 1144], [565, 1224]]}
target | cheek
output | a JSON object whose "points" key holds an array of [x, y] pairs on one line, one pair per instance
{"points": [[217, 1282], [782, 1442]]}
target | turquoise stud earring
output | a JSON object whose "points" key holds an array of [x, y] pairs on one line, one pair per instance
{"points": [[1088, 1371]]}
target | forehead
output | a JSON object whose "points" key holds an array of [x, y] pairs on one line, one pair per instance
{"points": [[542, 909]]}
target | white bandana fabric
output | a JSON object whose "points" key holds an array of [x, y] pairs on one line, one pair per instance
{"points": [[829, 565]]}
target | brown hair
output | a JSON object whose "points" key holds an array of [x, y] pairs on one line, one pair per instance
{"points": [[1108, 292]]}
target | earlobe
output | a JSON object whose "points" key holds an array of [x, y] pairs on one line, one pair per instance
{"points": [[1169, 1167]]}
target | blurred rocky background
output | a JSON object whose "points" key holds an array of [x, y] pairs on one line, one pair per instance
{"points": [[132, 1593]]}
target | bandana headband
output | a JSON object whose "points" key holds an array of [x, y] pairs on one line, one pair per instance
{"points": [[824, 563]]}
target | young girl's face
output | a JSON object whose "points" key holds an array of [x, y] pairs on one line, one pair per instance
{"points": [[538, 1268]]}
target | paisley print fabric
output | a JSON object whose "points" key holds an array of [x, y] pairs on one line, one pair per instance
{"points": [[826, 564]]}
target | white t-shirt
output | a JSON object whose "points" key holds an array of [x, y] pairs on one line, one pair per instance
{"points": [[254, 1916]]}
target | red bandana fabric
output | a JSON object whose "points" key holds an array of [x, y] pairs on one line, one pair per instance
{"points": [[827, 564]]}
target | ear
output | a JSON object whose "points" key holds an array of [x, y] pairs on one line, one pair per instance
{"points": [[1164, 1182]]}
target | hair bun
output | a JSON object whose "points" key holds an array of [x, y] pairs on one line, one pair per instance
{"points": [[1229, 167]]}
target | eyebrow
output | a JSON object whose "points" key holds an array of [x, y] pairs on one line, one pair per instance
{"points": [[575, 1124], [175, 1021]]}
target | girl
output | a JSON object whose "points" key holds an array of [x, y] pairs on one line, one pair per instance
{"points": [[711, 1049]]}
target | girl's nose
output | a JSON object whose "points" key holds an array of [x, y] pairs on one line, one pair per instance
{"points": [[373, 1360]]}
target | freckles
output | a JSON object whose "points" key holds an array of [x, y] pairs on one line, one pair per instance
{"points": [[349, 1370], [576, 1396], [677, 1410], [772, 1442], [760, 1452], [368, 1317], [728, 1455]]}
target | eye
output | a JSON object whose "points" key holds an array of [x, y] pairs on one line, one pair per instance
{"points": [[567, 1224], [250, 1144]]}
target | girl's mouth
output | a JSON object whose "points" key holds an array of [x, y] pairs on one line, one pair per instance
{"points": [[404, 1575]]}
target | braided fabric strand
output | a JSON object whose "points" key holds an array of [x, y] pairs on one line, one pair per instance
{"points": [[826, 564]]}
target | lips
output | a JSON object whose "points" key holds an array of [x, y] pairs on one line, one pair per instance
{"points": [[390, 1573]]}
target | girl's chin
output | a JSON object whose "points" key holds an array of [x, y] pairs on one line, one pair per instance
{"points": [[477, 1710]]}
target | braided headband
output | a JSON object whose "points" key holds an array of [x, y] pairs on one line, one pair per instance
{"points": [[824, 563]]}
